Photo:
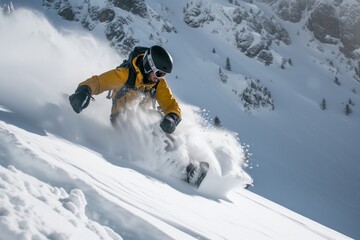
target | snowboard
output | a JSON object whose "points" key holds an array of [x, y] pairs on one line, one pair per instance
{"points": [[196, 171], [196, 174]]}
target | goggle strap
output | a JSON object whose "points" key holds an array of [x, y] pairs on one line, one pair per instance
{"points": [[152, 65]]}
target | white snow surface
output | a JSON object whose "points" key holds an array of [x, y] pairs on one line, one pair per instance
{"points": [[70, 176], [51, 188]]}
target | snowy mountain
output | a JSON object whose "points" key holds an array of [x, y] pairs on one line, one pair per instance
{"points": [[280, 78]]}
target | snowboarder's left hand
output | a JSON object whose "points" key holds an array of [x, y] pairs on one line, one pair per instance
{"points": [[169, 122]]}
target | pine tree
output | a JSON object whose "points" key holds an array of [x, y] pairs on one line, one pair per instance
{"points": [[351, 102], [337, 81], [290, 62], [347, 110], [228, 65], [323, 104]]}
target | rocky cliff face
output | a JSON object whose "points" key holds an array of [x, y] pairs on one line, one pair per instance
{"points": [[116, 17], [291, 10], [250, 30], [340, 22], [137, 7], [242, 23], [332, 22], [349, 18], [325, 25], [246, 27]]}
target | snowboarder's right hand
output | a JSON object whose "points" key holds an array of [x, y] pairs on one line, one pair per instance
{"points": [[81, 98]]}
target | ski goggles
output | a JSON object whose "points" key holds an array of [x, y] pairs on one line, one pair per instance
{"points": [[153, 68], [159, 73]]}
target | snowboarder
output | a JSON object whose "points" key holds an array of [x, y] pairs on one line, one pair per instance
{"points": [[144, 73]]}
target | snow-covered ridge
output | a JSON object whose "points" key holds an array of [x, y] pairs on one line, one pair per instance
{"points": [[248, 25], [116, 20]]}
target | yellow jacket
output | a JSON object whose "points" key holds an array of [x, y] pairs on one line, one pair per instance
{"points": [[115, 79]]}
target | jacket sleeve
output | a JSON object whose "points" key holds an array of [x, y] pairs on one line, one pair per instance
{"points": [[110, 80], [166, 100]]}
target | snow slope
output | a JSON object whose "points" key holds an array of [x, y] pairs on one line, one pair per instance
{"points": [[40, 66], [51, 188]]}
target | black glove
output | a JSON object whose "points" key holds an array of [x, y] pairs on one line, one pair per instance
{"points": [[169, 122], [81, 98]]}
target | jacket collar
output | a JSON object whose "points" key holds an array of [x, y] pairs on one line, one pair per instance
{"points": [[137, 64]]}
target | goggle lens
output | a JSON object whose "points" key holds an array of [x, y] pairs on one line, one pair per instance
{"points": [[159, 73]]}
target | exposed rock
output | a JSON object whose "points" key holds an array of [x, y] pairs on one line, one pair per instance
{"points": [[337, 23], [255, 49], [106, 15], [168, 28], [291, 10], [197, 15], [128, 44], [248, 26], [116, 32], [67, 13], [239, 15], [349, 16], [243, 40], [137, 7], [117, 27], [266, 57], [324, 22], [275, 30], [96, 15], [332, 22]]}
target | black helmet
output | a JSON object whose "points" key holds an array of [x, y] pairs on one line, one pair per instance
{"points": [[158, 60]]}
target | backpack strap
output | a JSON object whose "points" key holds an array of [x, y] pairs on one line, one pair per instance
{"points": [[127, 63], [129, 84]]}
